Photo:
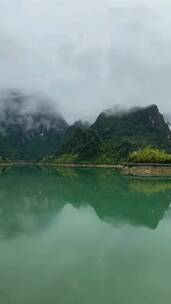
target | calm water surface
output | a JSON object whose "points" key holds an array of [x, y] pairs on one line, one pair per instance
{"points": [[84, 236]]}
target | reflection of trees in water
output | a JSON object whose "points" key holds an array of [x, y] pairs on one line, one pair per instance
{"points": [[149, 186], [30, 198]]}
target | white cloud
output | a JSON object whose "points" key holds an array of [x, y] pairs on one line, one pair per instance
{"points": [[88, 55]]}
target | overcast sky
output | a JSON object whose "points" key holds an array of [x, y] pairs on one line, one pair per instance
{"points": [[88, 55]]}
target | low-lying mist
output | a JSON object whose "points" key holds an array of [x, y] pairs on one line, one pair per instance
{"points": [[30, 111]]}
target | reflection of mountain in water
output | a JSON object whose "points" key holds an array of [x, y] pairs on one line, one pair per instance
{"points": [[29, 197]]}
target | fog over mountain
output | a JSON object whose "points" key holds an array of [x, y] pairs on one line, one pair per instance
{"points": [[87, 56]]}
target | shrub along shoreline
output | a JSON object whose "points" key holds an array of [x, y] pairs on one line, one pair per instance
{"points": [[150, 156]]}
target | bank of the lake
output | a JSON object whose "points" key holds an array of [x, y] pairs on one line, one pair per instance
{"points": [[131, 169], [119, 166], [156, 170]]}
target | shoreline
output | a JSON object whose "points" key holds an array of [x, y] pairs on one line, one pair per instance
{"points": [[147, 170], [127, 169], [13, 164]]}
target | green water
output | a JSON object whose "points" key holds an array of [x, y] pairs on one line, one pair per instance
{"points": [[84, 236]]}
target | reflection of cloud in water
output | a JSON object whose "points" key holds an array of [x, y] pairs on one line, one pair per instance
{"points": [[78, 258], [78, 224]]}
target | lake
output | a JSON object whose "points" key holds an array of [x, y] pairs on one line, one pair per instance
{"points": [[83, 236]]}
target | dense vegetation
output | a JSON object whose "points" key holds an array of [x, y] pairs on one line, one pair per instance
{"points": [[85, 146], [149, 155], [111, 138]]}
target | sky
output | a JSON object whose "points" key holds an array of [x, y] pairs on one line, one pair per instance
{"points": [[87, 56]]}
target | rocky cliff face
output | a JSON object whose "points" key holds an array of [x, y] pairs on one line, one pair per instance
{"points": [[144, 126]]}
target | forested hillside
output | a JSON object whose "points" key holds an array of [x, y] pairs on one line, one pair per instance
{"points": [[114, 135]]}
